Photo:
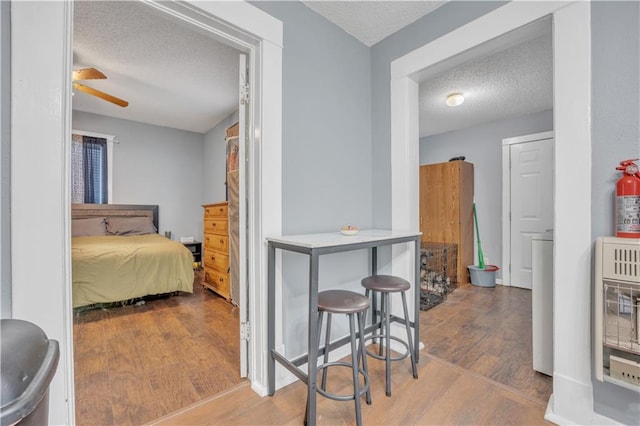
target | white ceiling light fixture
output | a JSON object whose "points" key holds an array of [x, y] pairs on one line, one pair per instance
{"points": [[454, 99]]}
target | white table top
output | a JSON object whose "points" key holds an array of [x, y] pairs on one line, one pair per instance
{"points": [[334, 239]]}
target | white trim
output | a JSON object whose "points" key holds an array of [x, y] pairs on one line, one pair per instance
{"points": [[245, 17], [45, 30], [405, 166], [111, 139], [506, 199], [40, 157], [267, 152], [573, 398], [528, 138], [573, 394]]}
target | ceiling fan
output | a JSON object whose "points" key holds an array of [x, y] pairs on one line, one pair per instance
{"points": [[94, 74]]}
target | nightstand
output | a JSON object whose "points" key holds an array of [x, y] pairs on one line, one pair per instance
{"points": [[195, 248]]}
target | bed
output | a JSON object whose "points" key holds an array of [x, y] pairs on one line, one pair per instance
{"points": [[118, 256]]}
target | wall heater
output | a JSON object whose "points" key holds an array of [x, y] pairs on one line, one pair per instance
{"points": [[617, 311]]}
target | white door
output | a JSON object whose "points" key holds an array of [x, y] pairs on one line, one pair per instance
{"points": [[243, 302], [531, 201]]}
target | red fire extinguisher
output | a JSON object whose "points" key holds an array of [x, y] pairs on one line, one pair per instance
{"points": [[628, 200]]}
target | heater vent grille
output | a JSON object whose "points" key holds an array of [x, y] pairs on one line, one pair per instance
{"points": [[621, 262]]}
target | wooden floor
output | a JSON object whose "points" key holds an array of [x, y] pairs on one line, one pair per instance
{"points": [[475, 369], [134, 364]]}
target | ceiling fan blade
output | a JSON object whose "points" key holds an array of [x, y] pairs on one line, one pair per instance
{"points": [[107, 97], [88, 74]]}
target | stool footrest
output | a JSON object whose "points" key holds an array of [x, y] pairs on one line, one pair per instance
{"points": [[394, 338], [349, 397]]}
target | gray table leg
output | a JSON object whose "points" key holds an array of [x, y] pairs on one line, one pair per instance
{"points": [[271, 319], [374, 302], [313, 339], [416, 328]]}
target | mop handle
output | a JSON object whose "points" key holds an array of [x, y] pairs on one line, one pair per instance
{"points": [[480, 254]]}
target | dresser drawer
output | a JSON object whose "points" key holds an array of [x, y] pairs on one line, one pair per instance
{"points": [[217, 281], [217, 242], [219, 211], [216, 260], [216, 226]]}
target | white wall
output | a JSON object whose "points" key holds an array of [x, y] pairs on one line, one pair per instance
{"points": [[215, 161], [155, 165], [482, 146]]}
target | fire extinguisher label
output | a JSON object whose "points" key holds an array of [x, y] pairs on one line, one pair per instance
{"points": [[628, 209]]}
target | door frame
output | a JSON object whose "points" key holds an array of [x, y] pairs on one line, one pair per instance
{"points": [[41, 93], [506, 197], [572, 399]]}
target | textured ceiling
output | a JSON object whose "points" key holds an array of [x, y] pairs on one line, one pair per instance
{"points": [[171, 75], [510, 83], [372, 21], [177, 77]]}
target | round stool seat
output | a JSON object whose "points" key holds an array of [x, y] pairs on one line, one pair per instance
{"points": [[342, 302], [385, 283]]}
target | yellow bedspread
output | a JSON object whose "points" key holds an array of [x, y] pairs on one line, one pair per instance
{"points": [[116, 268]]}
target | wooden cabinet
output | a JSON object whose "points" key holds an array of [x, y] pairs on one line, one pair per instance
{"points": [[216, 249], [446, 209]]}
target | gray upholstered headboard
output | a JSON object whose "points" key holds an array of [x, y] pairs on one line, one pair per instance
{"points": [[115, 210]]}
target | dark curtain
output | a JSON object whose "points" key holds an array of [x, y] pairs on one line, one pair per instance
{"points": [[94, 163]]}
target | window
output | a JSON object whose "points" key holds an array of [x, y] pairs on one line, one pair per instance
{"points": [[90, 180]]}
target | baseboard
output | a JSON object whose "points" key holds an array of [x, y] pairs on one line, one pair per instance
{"points": [[572, 403]]}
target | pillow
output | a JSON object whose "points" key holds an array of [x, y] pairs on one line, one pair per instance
{"points": [[132, 225], [88, 227]]}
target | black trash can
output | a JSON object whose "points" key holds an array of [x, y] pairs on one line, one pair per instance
{"points": [[28, 363]]}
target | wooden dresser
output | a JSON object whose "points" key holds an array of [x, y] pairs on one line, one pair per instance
{"points": [[216, 249], [446, 209]]}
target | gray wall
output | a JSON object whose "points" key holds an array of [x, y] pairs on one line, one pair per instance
{"points": [[482, 146], [616, 105], [215, 161], [155, 165], [5, 156], [615, 136], [326, 149]]}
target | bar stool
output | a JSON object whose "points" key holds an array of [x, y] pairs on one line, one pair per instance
{"points": [[385, 285], [348, 303]]}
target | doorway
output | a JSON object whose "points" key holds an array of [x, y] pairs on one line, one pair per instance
{"points": [[45, 30], [195, 320], [573, 192]]}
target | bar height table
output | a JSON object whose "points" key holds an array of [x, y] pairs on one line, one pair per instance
{"points": [[315, 245]]}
